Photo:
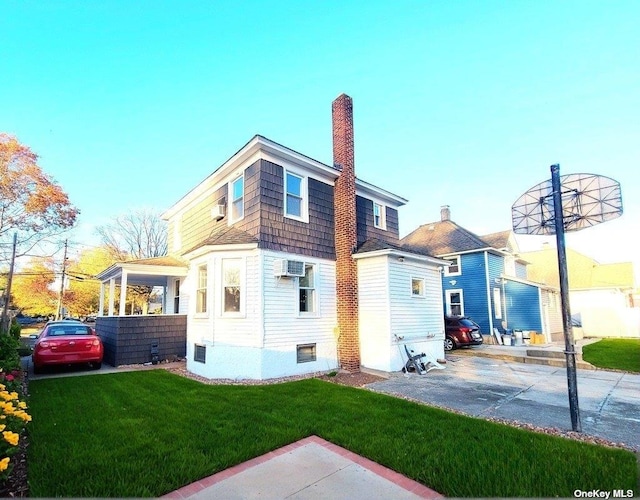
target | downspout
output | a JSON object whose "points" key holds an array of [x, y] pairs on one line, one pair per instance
{"points": [[486, 275]]}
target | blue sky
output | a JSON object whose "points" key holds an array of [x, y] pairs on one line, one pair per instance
{"points": [[465, 103]]}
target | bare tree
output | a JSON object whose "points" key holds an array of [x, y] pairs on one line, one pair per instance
{"points": [[138, 234]]}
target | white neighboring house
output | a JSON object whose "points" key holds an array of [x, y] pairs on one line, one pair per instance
{"points": [[294, 267]]}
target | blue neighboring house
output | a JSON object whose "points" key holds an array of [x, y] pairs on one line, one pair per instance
{"points": [[487, 281]]}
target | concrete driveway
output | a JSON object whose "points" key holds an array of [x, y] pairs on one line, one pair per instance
{"points": [[609, 401]]}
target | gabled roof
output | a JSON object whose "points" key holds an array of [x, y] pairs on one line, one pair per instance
{"points": [[260, 147], [443, 238]]}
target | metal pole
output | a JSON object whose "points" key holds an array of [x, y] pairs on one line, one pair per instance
{"points": [[61, 293], [564, 296]]}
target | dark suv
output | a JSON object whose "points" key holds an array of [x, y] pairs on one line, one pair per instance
{"points": [[460, 331]]}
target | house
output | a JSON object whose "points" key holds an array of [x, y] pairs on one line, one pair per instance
{"points": [[601, 296], [293, 266], [487, 280]]}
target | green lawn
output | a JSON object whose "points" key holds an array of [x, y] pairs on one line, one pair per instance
{"points": [[142, 434], [619, 354]]}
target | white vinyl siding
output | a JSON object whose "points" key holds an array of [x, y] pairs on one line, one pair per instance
{"points": [[283, 323], [390, 315]]}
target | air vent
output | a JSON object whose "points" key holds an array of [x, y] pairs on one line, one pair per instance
{"points": [[286, 267], [218, 212]]}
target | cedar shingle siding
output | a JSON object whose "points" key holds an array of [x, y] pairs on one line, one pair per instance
{"points": [[264, 217], [366, 229], [278, 232]]}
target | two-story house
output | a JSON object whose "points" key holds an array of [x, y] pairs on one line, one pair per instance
{"points": [[293, 266], [486, 280]]}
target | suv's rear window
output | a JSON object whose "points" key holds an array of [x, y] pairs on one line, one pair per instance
{"points": [[467, 322]]}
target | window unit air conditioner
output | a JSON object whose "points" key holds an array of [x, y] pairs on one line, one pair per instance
{"points": [[290, 268], [218, 212]]}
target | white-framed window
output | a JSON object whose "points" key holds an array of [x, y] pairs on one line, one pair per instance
{"points": [[295, 196], [176, 296], [417, 287], [497, 303], [307, 290], [379, 215], [231, 286], [454, 269], [236, 195], [454, 302], [201, 290]]}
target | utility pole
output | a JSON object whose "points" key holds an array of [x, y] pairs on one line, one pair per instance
{"points": [[4, 324], [64, 270]]}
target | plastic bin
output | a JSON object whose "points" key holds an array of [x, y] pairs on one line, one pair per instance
{"points": [[507, 339]]}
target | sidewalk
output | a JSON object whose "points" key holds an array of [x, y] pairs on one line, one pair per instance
{"points": [[311, 468]]}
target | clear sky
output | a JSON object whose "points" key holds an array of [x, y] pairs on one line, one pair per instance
{"points": [[130, 104]]}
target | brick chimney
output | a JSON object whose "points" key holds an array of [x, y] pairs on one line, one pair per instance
{"points": [[345, 234], [445, 213]]}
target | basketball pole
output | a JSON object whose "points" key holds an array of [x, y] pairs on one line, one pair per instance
{"points": [[564, 297]]}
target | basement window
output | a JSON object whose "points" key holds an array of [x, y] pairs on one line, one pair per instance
{"points": [[200, 353], [306, 353]]}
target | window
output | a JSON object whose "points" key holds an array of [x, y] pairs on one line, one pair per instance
{"points": [[306, 353], [417, 287], [497, 303], [294, 196], [231, 285], [307, 290], [200, 353], [201, 291], [176, 297], [237, 199], [379, 215], [454, 303], [454, 268]]}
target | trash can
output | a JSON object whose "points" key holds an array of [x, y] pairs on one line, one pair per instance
{"points": [[518, 337], [506, 339]]}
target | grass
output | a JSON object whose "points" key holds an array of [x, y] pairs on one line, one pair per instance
{"points": [[144, 434], [617, 354]]}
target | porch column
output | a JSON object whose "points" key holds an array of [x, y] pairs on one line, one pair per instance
{"points": [[123, 294], [101, 308], [164, 299], [112, 295]]}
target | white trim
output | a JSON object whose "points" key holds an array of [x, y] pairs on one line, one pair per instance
{"points": [[401, 254], [304, 195], [231, 199], [447, 300], [497, 302], [383, 215], [423, 293], [451, 259], [205, 313], [315, 313], [243, 288]]}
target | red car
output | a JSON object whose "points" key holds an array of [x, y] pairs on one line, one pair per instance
{"points": [[461, 331], [67, 342]]}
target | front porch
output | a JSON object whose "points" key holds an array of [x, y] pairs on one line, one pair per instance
{"points": [[142, 338]]}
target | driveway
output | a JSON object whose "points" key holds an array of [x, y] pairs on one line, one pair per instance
{"points": [[534, 394]]}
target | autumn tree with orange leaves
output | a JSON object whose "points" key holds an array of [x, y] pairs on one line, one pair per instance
{"points": [[32, 204]]}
